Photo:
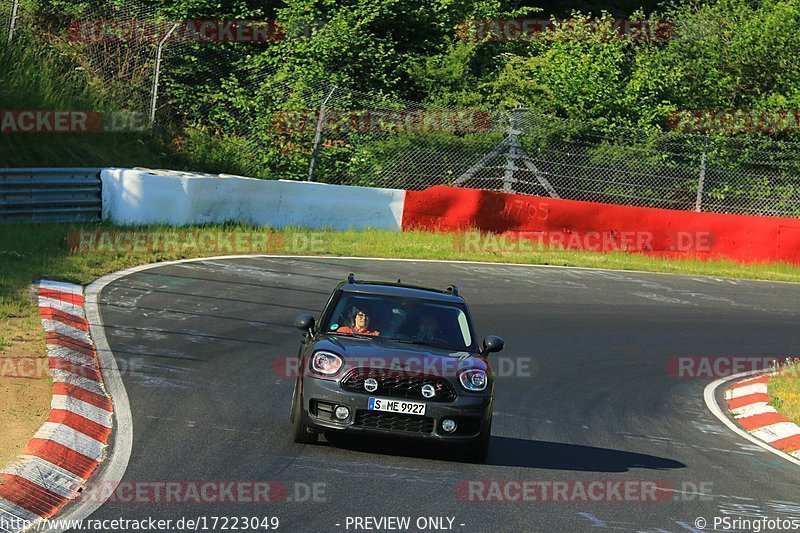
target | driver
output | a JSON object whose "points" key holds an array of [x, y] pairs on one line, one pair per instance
{"points": [[359, 323]]}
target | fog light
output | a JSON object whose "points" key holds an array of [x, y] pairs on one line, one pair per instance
{"points": [[342, 412], [449, 425]]}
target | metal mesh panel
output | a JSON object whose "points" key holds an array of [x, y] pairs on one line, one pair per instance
{"points": [[89, 34]]}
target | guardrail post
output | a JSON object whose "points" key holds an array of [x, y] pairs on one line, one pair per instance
{"points": [[157, 73], [12, 21], [698, 204], [318, 136]]}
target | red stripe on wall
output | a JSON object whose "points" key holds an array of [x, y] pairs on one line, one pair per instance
{"points": [[30, 496], [604, 227], [80, 424], [62, 456], [68, 297], [735, 403], [80, 370], [51, 337], [83, 395], [66, 318], [788, 444], [759, 421], [754, 381]]}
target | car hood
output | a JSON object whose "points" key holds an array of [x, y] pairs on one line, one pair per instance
{"points": [[375, 352]]}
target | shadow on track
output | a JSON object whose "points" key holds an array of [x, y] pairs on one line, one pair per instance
{"points": [[507, 451], [512, 452]]}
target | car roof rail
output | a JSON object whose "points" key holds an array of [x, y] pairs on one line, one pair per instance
{"points": [[451, 289]]}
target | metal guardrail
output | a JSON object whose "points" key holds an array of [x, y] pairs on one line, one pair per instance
{"points": [[50, 195]]}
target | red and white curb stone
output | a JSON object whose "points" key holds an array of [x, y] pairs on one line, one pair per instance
{"points": [[748, 402], [67, 449]]}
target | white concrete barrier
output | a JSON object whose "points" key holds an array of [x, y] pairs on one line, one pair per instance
{"points": [[142, 196]]}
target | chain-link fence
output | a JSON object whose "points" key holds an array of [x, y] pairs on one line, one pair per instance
{"points": [[335, 135], [294, 129], [90, 35]]}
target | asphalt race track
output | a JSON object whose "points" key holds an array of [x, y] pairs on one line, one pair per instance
{"points": [[585, 394]]}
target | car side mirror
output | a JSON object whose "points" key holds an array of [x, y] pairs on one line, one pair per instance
{"points": [[304, 323], [492, 344]]}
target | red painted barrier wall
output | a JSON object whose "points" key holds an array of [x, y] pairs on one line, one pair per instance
{"points": [[604, 227]]}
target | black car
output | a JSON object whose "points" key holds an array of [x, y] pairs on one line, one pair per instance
{"points": [[395, 359]]}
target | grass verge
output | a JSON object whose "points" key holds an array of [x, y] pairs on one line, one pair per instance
{"points": [[784, 390], [32, 252]]}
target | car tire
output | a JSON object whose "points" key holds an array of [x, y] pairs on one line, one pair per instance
{"points": [[300, 432]]}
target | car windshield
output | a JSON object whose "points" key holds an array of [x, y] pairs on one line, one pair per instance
{"points": [[412, 320]]}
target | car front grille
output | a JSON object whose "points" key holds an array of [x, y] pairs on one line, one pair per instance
{"points": [[394, 422], [399, 384]]}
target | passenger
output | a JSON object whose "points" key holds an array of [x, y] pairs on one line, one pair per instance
{"points": [[359, 324], [396, 323], [428, 328]]}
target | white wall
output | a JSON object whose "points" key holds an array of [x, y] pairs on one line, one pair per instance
{"points": [[142, 196]]}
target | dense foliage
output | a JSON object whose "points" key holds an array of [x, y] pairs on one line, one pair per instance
{"points": [[722, 54]]}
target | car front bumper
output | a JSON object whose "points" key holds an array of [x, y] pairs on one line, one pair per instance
{"points": [[472, 414]]}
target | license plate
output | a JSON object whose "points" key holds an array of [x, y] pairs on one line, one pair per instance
{"points": [[397, 406]]}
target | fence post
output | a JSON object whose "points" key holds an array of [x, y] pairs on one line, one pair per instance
{"points": [[157, 73], [318, 136], [12, 21], [698, 205]]}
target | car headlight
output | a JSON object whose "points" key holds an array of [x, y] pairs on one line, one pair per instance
{"points": [[327, 363], [474, 380]]}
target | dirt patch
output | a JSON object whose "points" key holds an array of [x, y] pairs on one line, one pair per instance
{"points": [[25, 386], [22, 336]]}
